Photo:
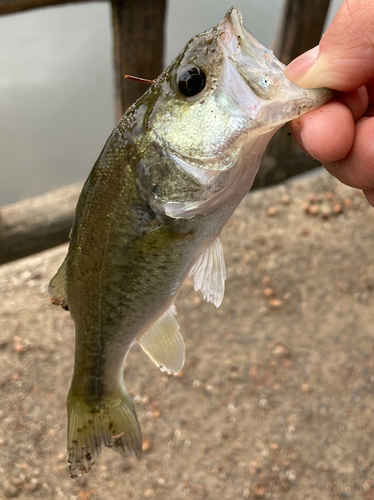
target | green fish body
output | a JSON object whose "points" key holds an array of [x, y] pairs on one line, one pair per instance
{"points": [[150, 214]]}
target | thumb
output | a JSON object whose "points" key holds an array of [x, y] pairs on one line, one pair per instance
{"points": [[344, 59]]}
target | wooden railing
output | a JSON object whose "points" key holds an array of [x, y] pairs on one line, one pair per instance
{"points": [[34, 225]]}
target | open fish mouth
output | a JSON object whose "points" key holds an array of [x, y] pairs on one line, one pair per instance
{"points": [[258, 67], [255, 79]]}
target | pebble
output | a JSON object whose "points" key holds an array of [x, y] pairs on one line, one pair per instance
{"points": [[285, 199], [269, 292], [156, 413], [275, 303], [316, 206], [291, 476], [347, 202], [32, 486], [325, 212], [231, 408], [272, 211], [148, 493], [18, 347], [281, 351], [338, 208], [263, 403], [85, 495], [146, 445], [255, 464], [313, 209], [366, 486], [259, 491], [305, 207], [246, 493]]}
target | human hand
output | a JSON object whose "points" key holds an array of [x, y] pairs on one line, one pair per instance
{"points": [[340, 134]]}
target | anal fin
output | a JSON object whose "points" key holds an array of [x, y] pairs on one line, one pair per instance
{"points": [[209, 273], [164, 343]]}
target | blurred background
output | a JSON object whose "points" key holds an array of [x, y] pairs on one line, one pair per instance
{"points": [[57, 97]]}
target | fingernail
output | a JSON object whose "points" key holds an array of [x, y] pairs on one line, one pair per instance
{"points": [[299, 66]]}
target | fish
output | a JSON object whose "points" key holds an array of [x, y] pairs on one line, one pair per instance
{"points": [[150, 214]]}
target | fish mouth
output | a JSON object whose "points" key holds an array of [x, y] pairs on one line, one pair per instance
{"points": [[255, 79], [256, 64]]}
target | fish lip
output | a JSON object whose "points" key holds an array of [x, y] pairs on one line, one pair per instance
{"points": [[256, 64], [233, 21]]}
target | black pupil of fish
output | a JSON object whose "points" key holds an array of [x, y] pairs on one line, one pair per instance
{"points": [[191, 82]]}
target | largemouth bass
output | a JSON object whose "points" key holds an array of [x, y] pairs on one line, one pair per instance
{"points": [[169, 177]]}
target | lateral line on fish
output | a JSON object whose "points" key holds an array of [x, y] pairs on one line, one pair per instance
{"points": [[97, 367]]}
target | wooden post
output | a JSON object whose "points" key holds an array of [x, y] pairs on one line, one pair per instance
{"points": [[138, 33], [299, 30]]}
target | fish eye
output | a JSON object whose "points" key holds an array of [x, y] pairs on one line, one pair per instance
{"points": [[192, 81]]}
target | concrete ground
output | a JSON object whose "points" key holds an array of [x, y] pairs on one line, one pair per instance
{"points": [[276, 399]]}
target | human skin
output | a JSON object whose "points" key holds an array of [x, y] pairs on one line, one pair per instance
{"points": [[340, 133]]}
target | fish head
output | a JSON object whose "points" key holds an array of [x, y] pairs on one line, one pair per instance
{"points": [[213, 111]]}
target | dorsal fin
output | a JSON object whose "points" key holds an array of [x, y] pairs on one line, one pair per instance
{"points": [[164, 343], [57, 287], [210, 273]]}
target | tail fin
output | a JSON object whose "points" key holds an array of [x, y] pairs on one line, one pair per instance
{"points": [[112, 421]]}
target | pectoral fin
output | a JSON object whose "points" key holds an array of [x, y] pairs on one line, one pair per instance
{"points": [[210, 273], [164, 343], [57, 289]]}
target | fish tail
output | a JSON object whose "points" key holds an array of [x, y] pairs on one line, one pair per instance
{"points": [[111, 421]]}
